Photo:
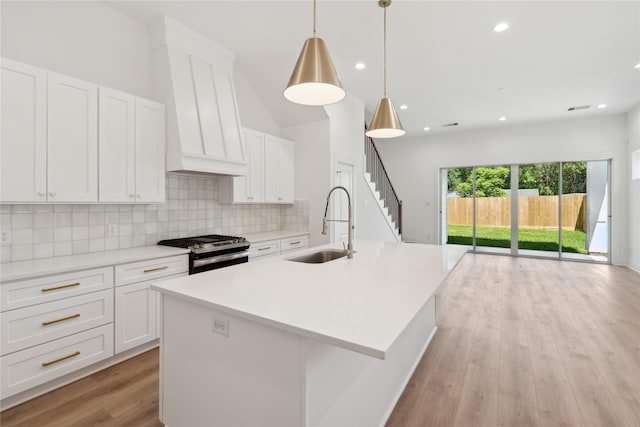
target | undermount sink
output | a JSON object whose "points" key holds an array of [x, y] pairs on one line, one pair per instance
{"points": [[320, 257]]}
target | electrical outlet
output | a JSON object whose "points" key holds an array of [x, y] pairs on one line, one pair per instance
{"points": [[112, 230], [221, 326], [5, 237]]}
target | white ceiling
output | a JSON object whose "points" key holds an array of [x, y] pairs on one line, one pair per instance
{"points": [[444, 59]]}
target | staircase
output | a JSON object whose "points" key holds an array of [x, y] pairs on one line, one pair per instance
{"points": [[376, 176]]}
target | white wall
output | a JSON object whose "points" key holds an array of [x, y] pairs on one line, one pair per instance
{"points": [[633, 229], [254, 114], [313, 179], [85, 40], [414, 164]]}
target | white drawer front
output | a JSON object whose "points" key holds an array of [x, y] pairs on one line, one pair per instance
{"points": [[38, 324], [29, 292], [293, 243], [264, 248], [37, 365], [151, 269]]}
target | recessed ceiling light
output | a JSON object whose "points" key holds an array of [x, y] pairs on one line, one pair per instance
{"points": [[360, 66], [403, 107], [500, 27], [502, 119], [602, 106], [503, 89], [427, 128], [637, 65]]}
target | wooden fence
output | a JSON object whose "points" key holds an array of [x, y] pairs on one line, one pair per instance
{"points": [[533, 212]]}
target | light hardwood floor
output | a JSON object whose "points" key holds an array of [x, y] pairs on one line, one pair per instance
{"points": [[521, 342]]}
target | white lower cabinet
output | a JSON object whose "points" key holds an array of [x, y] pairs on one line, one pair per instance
{"points": [[278, 246], [136, 305], [28, 368]]}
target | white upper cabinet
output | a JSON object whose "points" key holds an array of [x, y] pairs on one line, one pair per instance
{"points": [[49, 142], [194, 77], [279, 170], [23, 142], [270, 176], [150, 151], [117, 146], [132, 144], [72, 143]]}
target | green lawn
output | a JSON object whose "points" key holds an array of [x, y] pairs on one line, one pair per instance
{"points": [[528, 238]]}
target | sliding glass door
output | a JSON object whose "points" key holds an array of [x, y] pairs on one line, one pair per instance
{"points": [[553, 203]]}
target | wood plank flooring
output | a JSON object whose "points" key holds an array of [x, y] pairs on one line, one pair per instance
{"points": [[521, 342], [528, 342]]}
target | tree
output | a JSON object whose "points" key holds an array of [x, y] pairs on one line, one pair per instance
{"points": [[490, 182]]}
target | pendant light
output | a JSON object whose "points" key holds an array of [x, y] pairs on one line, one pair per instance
{"points": [[314, 80], [385, 122]]}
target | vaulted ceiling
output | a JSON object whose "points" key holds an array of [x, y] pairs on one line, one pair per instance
{"points": [[445, 61]]}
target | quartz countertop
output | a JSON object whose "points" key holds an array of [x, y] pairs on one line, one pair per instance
{"points": [[273, 235], [44, 266], [362, 304]]}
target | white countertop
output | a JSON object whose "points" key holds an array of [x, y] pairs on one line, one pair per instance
{"points": [[362, 304], [40, 267], [273, 235]]}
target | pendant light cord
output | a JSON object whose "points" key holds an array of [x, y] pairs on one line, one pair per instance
{"points": [[384, 60], [314, 19]]}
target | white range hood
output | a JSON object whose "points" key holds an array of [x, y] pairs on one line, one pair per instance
{"points": [[194, 78]]}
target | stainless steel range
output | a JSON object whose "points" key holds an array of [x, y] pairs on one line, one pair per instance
{"points": [[213, 251]]}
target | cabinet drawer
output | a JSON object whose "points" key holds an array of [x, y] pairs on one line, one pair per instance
{"points": [[29, 292], [38, 324], [25, 369], [293, 243], [264, 248], [151, 269]]}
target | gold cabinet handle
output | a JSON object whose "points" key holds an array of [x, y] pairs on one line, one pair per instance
{"points": [[41, 194], [264, 249], [156, 269], [61, 287], [45, 364], [132, 196], [138, 196], [51, 322], [52, 194], [295, 243]]}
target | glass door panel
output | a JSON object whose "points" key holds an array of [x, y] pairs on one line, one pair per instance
{"points": [[493, 209], [585, 210], [539, 209], [458, 211]]}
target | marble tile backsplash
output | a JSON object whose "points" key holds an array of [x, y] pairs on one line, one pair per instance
{"points": [[191, 208]]}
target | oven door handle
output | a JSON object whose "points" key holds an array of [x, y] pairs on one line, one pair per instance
{"points": [[220, 258]]}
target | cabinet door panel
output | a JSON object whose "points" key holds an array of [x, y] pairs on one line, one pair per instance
{"points": [[255, 160], [285, 172], [72, 140], [135, 319], [23, 142], [271, 148], [116, 146], [150, 148]]}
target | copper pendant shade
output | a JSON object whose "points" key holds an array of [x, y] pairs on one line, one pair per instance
{"points": [[385, 122], [314, 80]]}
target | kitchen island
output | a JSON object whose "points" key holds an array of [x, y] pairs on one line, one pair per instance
{"points": [[280, 343]]}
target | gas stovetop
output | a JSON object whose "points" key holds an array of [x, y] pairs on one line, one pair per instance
{"points": [[210, 243]]}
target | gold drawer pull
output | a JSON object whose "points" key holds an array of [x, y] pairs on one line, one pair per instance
{"points": [[61, 287], [295, 243], [156, 269], [264, 249], [45, 364], [51, 322]]}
